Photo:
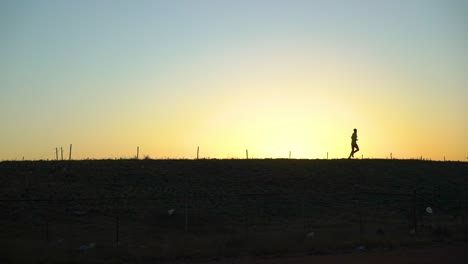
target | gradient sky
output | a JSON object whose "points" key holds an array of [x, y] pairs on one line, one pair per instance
{"points": [[268, 76]]}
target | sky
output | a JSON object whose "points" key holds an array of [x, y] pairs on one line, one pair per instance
{"points": [[268, 76]]}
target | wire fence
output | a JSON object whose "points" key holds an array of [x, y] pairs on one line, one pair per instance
{"points": [[172, 226]]}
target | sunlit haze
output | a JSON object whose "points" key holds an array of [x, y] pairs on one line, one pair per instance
{"points": [[267, 76]]}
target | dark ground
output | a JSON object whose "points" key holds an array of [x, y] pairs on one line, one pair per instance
{"points": [[439, 254], [228, 209]]}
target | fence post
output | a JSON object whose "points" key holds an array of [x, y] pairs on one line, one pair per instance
{"points": [[198, 151], [56, 153], [69, 156]]}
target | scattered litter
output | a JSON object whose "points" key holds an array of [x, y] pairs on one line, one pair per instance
{"points": [[412, 231], [311, 234], [429, 210], [171, 211], [92, 245]]}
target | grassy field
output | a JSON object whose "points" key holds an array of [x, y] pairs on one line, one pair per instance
{"points": [[141, 211]]}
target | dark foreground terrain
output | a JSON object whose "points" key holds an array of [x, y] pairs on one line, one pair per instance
{"points": [[153, 211], [446, 254]]}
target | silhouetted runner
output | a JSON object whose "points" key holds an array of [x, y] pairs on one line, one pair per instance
{"points": [[354, 146]]}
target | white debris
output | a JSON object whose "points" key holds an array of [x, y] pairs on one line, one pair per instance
{"points": [[429, 210], [171, 211]]}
